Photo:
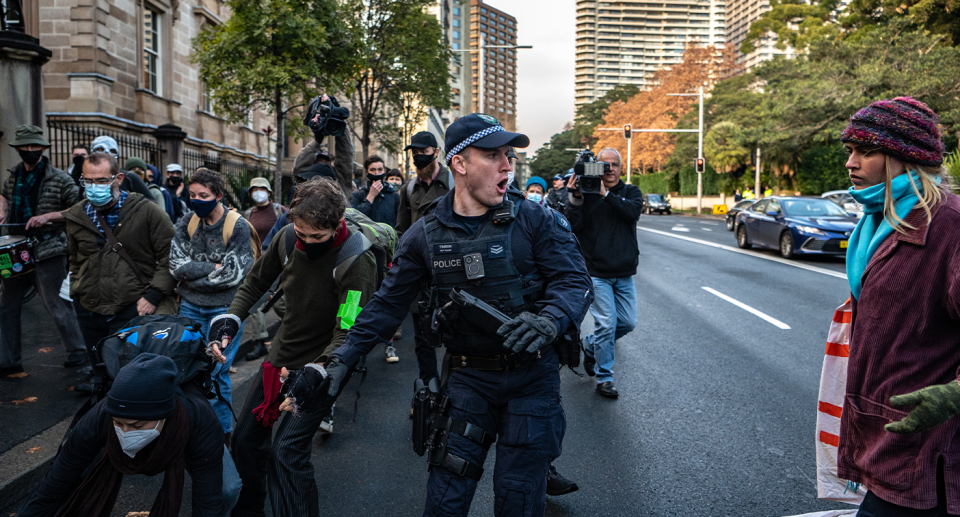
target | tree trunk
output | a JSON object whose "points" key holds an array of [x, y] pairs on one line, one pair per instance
{"points": [[281, 137]]}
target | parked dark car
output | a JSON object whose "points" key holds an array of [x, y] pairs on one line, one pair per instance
{"points": [[656, 203], [795, 225], [737, 208]]}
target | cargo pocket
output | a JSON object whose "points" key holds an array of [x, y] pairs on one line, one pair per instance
{"points": [[537, 425], [514, 497], [889, 459]]}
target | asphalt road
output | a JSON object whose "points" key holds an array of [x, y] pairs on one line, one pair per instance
{"points": [[717, 409]]}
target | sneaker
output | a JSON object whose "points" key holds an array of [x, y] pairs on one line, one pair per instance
{"points": [[13, 371], [559, 485], [258, 351], [607, 389], [326, 425], [85, 386], [391, 354], [75, 359], [589, 365], [398, 334]]}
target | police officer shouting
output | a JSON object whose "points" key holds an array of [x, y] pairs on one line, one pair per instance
{"points": [[502, 383]]}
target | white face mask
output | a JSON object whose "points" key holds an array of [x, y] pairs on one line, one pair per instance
{"points": [[133, 442], [510, 176], [260, 196]]}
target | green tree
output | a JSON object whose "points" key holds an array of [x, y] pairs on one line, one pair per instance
{"points": [[796, 23], [589, 116], [404, 63], [936, 16], [723, 147], [275, 55], [553, 158]]}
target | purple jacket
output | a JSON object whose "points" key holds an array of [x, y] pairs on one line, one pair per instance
{"points": [[905, 335]]}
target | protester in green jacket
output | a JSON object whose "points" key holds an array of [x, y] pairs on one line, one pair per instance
{"points": [[106, 290]]}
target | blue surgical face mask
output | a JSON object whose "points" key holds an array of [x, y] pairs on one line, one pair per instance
{"points": [[99, 195], [203, 208], [535, 197]]}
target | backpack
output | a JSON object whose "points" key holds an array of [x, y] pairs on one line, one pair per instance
{"points": [[176, 337], [228, 226]]}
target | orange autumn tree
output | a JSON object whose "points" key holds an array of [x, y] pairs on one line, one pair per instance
{"points": [[652, 108]]}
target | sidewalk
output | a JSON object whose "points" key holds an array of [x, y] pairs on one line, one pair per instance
{"points": [[36, 410]]}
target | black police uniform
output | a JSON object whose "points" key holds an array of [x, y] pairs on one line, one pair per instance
{"points": [[532, 263]]}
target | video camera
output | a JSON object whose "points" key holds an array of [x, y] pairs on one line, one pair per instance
{"points": [[589, 172], [332, 117]]}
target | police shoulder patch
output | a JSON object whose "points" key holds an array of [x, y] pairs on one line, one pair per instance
{"points": [[562, 221]]}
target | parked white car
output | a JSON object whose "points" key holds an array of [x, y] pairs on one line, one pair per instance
{"points": [[844, 199]]}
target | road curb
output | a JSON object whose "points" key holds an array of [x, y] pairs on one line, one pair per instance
{"points": [[21, 470]]}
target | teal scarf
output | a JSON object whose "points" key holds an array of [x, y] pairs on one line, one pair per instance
{"points": [[873, 228]]}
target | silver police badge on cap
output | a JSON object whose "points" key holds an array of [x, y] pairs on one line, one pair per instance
{"points": [[488, 119]]}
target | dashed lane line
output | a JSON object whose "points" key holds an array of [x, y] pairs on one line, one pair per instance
{"points": [[769, 319], [815, 269]]}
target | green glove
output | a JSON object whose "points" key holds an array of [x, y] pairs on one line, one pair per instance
{"points": [[934, 405], [349, 310]]}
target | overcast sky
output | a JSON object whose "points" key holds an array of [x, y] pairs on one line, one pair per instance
{"points": [[545, 72]]}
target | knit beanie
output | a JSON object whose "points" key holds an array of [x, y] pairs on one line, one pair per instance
{"points": [[536, 180], [144, 389], [135, 162], [904, 128]]}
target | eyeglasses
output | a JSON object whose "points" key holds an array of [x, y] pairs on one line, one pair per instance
{"points": [[85, 183]]}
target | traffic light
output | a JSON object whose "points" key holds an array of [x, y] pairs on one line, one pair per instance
{"points": [[699, 164], [627, 129]]}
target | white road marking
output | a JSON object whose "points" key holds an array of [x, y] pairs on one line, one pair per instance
{"points": [[770, 319], [706, 229], [800, 265], [680, 229]]}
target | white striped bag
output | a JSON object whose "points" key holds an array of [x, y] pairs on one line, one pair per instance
{"points": [[833, 388]]}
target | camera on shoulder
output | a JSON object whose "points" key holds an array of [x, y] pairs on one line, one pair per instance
{"points": [[326, 118], [589, 172]]}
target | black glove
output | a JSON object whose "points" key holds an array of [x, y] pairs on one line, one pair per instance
{"points": [[338, 374], [307, 387], [528, 333], [224, 326]]}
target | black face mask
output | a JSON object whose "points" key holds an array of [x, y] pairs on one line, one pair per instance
{"points": [[316, 250], [174, 181], [390, 187], [30, 158], [78, 162], [422, 161], [371, 179]]}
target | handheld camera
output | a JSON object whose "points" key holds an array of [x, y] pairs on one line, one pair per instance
{"points": [[332, 117], [589, 172]]}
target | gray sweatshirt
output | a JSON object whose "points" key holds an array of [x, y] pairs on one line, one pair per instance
{"points": [[193, 261]]}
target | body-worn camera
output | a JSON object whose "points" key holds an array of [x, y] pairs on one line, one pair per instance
{"points": [[332, 117], [589, 172]]}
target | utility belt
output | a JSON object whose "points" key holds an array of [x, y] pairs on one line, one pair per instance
{"points": [[497, 363]]}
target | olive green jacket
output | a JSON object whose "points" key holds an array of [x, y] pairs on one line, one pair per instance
{"points": [[101, 281]]}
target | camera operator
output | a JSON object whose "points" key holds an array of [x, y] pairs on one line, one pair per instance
{"points": [[343, 143], [606, 225]]}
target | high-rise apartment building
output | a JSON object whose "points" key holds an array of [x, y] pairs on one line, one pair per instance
{"points": [[742, 13], [499, 85], [626, 41]]}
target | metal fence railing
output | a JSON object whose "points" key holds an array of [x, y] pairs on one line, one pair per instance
{"points": [[64, 135], [11, 15], [237, 174]]}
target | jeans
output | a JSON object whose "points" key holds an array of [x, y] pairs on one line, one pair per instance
{"points": [[95, 326], [231, 484], [221, 372], [46, 277], [614, 312], [522, 407], [281, 468]]}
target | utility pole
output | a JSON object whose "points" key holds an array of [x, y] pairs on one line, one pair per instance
{"points": [[699, 132], [756, 188]]}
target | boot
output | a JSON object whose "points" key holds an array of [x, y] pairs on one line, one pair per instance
{"points": [[559, 485], [259, 351]]}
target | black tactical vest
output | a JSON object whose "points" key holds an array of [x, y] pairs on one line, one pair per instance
{"points": [[502, 286]]}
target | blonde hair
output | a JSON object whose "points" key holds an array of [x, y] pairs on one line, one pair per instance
{"points": [[932, 193]]}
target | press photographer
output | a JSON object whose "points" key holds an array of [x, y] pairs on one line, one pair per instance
{"points": [[603, 211]]}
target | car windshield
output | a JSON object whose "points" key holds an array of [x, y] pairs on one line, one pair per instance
{"points": [[811, 207], [654, 198], [744, 204]]}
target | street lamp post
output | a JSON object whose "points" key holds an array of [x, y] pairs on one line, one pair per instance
{"points": [[699, 132], [481, 83]]}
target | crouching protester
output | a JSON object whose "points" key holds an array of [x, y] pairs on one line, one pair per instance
{"points": [[303, 257], [898, 430], [145, 425], [504, 281]]}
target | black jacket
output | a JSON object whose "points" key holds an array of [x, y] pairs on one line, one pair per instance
{"points": [[607, 229], [383, 209], [204, 458], [557, 199]]}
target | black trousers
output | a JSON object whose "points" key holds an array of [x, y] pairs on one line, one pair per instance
{"points": [[281, 468], [425, 352], [873, 506], [95, 327]]}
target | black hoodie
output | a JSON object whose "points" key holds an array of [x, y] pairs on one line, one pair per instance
{"points": [[607, 230]]}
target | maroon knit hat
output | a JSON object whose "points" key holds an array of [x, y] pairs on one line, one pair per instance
{"points": [[903, 127]]}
